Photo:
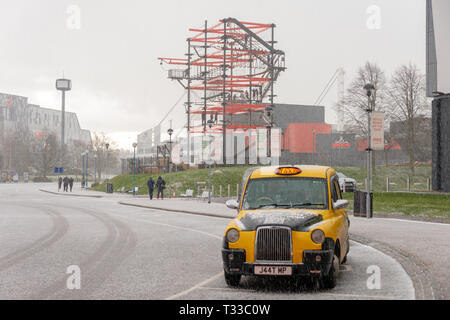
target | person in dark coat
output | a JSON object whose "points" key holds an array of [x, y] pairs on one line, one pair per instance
{"points": [[71, 183], [151, 186], [66, 184], [60, 180], [160, 185]]}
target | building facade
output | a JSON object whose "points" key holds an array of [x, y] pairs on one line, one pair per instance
{"points": [[18, 116]]}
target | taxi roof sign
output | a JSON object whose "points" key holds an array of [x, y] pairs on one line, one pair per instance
{"points": [[288, 171]]}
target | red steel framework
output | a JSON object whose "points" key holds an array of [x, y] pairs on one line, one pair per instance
{"points": [[234, 65]]}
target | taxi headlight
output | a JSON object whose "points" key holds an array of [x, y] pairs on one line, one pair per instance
{"points": [[317, 236], [233, 235]]}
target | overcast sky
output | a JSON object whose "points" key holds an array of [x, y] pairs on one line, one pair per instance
{"points": [[111, 56]]}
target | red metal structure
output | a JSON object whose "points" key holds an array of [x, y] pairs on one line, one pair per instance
{"points": [[229, 69]]}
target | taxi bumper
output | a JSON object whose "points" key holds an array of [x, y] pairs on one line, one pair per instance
{"points": [[315, 263]]}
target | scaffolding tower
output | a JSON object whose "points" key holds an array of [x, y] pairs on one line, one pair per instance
{"points": [[230, 69]]}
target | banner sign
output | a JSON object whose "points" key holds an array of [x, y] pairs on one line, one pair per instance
{"points": [[377, 130]]}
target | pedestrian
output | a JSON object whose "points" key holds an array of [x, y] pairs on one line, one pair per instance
{"points": [[71, 183], [60, 180], [151, 186], [66, 184], [160, 185]]}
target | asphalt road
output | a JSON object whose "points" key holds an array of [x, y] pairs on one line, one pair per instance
{"points": [[126, 252]]}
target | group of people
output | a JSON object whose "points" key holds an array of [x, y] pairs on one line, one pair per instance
{"points": [[66, 183], [160, 184]]}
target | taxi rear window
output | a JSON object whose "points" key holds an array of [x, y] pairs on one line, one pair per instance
{"points": [[283, 192]]}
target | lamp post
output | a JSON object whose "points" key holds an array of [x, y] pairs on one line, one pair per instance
{"points": [[370, 89], [313, 145], [95, 167], [83, 163], [134, 168], [63, 85], [210, 123], [170, 132], [106, 169], [87, 168]]}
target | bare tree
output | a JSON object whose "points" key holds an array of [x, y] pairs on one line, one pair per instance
{"points": [[407, 97], [17, 151], [105, 158], [46, 151], [354, 103]]}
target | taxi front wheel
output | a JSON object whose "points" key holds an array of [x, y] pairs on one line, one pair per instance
{"points": [[330, 280], [232, 279]]}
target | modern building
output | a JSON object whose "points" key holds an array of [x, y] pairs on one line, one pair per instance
{"points": [[17, 115]]}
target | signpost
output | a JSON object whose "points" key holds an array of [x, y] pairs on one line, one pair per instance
{"points": [[58, 170]]}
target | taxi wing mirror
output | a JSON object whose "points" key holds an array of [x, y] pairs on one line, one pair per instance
{"points": [[232, 204], [340, 204]]}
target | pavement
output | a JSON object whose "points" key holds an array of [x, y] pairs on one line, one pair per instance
{"points": [[421, 248]]}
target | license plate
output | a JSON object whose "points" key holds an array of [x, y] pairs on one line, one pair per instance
{"points": [[273, 270]]}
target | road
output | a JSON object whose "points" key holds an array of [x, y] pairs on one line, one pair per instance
{"points": [[124, 252]]}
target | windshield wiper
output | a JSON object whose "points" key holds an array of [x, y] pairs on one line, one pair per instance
{"points": [[306, 204], [270, 205]]}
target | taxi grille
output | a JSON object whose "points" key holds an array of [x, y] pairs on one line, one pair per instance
{"points": [[273, 244]]}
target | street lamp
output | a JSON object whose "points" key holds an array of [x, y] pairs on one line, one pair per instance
{"points": [[210, 124], [134, 168], [170, 132], [95, 167], [63, 85], [370, 90], [107, 161], [87, 168], [83, 163]]}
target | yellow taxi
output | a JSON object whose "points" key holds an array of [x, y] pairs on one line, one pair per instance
{"points": [[292, 221]]}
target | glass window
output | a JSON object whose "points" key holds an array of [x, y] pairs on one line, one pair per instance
{"points": [[308, 193], [335, 190]]}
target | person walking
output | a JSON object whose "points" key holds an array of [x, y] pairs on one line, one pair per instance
{"points": [[60, 180], [66, 184], [151, 186], [160, 185], [71, 183]]}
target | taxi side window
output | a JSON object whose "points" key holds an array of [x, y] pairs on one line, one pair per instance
{"points": [[335, 190], [338, 190]]}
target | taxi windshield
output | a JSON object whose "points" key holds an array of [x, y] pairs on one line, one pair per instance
{"points": [[283, 192]]}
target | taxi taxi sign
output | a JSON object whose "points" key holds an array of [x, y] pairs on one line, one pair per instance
{"points": [[288, 171]]}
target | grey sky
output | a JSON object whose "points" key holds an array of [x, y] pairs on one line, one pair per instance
{"points": [[119, 86]]}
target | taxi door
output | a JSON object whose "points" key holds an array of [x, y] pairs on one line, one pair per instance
{"points": [[342, 216]]}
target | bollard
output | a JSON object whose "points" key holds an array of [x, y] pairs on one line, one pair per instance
{"points": [[212, 191], [428, 184], [408, 184], [220, 191], [229, 191], [237, 190], [387, 184]]}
